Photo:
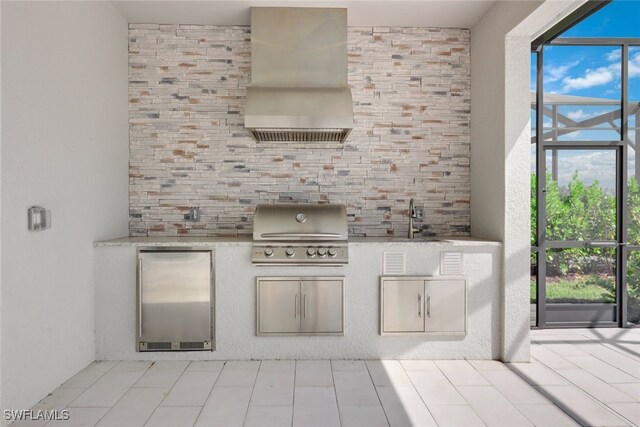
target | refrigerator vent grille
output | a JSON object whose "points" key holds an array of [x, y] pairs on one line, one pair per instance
{"points": [[158, 345], [193, 345]]}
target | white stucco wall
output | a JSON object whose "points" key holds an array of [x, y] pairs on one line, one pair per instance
{"points": [[500, 148], [64, 147], [1, 406], [235, 306]]}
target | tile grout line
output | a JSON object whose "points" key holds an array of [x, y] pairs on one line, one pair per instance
{"points": [[610, 364], [246, 412], [600, 343], [419, 395], [224, 363], [499, 392], [168, 391], [594, 341], [335, 392], [162, 400], [425, 403], [514, 404], [105, 373], [601, 404], [558, 371], [293, 404], [87, 388], [586, 393], [536, 387], [556, 354], [384, 411], [616, 349], [123, 394]]}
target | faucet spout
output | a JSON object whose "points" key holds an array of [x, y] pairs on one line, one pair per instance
{"points": [[412, 216]]}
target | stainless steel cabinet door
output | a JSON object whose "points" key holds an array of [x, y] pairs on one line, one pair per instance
{"points": [[403, 306], [278, 306], [174, 296], [446, 305], [322, 306]]}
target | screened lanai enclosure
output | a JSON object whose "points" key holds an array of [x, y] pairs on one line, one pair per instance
{"points": [[585, 174]]}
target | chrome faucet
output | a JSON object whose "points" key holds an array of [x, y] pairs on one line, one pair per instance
{"points": [[412, 216]]}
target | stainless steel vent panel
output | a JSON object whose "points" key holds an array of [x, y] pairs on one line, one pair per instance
{"points": [[297, 47]]}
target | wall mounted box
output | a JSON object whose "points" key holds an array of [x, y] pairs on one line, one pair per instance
{"points": [[38, 218], [423, 305]]}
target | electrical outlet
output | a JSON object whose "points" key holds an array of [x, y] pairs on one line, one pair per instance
{"points": [[38, 218], [419, 210], [194, 215]]}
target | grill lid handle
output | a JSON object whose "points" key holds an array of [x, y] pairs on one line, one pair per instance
{"points": [[297, 235]]}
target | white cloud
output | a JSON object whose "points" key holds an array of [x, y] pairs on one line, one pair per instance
{"points": [[603, 75], [614, 55], [597, 77], [573, 135], [634, 65], [577, 115], [555, 73], [590, 165], [581, 114]]}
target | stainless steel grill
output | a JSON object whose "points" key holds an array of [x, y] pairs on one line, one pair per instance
{"points": [[300, 234]]}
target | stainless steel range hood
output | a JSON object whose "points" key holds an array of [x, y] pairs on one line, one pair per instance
{"points": [[299, 89]]}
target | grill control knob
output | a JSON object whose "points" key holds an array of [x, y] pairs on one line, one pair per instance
{"points": [[332, 252], [311, 252], [290, 252], [322, 252], [268, 252]]}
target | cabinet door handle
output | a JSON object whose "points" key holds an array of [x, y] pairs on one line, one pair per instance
{"points": [[304, 315], [140, 297], [429, 306], [419, 305], [295, 307]]}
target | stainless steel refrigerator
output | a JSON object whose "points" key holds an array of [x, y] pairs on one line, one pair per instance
{"points": [[175, 290]]}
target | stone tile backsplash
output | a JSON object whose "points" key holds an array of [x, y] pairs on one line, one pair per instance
{"points": [[188, 145]]}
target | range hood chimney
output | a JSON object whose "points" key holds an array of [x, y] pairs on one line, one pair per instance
{"points": [[299, 89]]}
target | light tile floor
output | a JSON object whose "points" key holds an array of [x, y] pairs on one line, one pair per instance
{"points": [[587, 377]]}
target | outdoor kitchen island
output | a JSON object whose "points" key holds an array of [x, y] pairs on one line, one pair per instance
{"points": [[234, 301]]}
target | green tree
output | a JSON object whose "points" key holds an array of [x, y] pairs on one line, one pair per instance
{"points": [[588, 212]]}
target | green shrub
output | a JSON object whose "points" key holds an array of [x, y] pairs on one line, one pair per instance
{"points": [[581, 212]]}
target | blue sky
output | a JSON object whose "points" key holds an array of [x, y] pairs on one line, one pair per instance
{"points": [[593, 71], [618, 19]]}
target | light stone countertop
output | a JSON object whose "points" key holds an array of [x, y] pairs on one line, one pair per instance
{"points": [[193, 241], [172, 241]]}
